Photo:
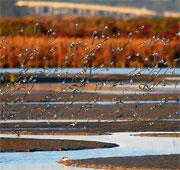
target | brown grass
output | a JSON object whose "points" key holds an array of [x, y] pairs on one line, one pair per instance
{"points": [[65, 26], [46, 51]]}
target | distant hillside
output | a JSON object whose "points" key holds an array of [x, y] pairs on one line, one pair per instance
{"points": [[8, 8], [158, 5]]}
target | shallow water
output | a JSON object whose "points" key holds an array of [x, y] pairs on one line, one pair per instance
{"points": [[128, 146], [174, 71], [71, 121], [95, 103], [108, 88], [64, 120], [33, 161]]}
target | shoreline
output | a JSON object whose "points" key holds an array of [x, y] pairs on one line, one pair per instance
{"points": [[131, 163], [158, 135], [32, 145]]}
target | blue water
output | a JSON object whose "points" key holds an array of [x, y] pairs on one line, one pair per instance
{"points": [[169, 71], [128, 146], [94, 102]]}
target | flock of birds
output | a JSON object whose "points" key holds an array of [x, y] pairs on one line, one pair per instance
{"points": [[25, 81]]}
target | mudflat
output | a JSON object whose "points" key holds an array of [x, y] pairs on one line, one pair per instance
{"points": [[31, 145], [168, 162], [88, 128], [158, 135]]}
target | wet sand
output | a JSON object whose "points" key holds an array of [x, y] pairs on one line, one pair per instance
{"points": [[168, 162], [117, 111], [31, 145], [140, 118], [18, 105], [41, 95], [89, 128], [16, 99], [56, 132], [49, 132]]}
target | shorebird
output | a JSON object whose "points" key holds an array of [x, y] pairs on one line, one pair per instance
{"points": [[17, 133], [64, 159], [73, 124]]}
